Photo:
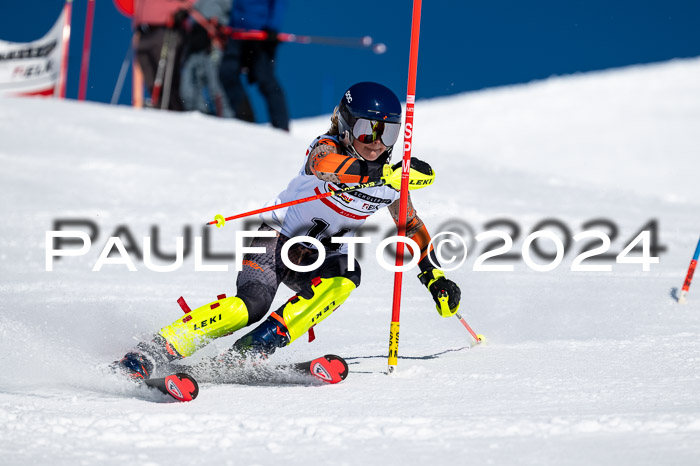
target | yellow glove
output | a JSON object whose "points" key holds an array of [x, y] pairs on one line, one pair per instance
{"points": [[420, 175]]}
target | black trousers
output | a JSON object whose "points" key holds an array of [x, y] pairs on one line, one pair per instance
{"points": [[259, 58], [263, 273]]}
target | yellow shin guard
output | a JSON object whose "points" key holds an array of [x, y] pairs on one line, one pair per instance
{"points": [[301, 314], [200, 326]]}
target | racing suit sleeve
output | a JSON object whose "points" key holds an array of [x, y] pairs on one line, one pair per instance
{"points": [[416, 230], [326, 161]]}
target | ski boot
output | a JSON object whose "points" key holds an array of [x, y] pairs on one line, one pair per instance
{"points": [[264, 340], [135, 366], [141, 362], [295, 317]]}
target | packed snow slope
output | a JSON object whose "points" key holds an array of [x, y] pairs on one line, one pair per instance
{"points": [[579, 368]]}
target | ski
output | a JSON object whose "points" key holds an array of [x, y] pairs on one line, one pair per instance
{"points": [[328, 369], [180, 386]]}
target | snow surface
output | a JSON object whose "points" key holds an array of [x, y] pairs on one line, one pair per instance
{"points": [[580, 367]]}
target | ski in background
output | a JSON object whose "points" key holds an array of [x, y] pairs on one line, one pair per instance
{"points": [[163, 64]]}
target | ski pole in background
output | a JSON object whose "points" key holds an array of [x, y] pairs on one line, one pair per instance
{"points": [[689, 276], [365, 42], [254, 34], [405, 173], [122, 76], [87, 41]]}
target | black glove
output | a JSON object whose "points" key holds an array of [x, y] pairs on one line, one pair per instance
{"points": [[178, 19], [270, 44], [446, 293], [271, 35], [198, 39]]}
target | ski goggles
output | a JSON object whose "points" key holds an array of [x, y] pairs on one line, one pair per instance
{"points": [[367, 131]]}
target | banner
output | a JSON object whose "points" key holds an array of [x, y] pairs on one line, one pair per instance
{"points": [[34, 68]]}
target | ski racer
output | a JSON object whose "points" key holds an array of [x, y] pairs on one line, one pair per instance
{"points": [[356, 149]]}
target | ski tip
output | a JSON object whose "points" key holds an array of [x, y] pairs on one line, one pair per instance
{"points": [[182, 387], [329, 368]]}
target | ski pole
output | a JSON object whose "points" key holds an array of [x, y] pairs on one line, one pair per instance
{"points": [[477, 337], [122, 76], [254, 34], [365, 42], [219, 220], [689, 276]]}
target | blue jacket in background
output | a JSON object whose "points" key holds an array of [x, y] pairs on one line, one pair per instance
{"points": [[257, 14]]}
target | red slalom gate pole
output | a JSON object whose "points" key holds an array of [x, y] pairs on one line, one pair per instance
{"points": [[689, 275], [87, 41], [405, 171]]}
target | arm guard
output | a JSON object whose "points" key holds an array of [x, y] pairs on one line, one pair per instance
{"points": [[416, 230], [328, 164]]}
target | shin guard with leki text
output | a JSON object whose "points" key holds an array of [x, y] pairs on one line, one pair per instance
{"points": [[198, 327], [300, 314], [296, 317]]}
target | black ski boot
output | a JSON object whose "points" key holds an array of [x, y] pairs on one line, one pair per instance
{"points": [[265, 339], [140, 363], [135, 366]]}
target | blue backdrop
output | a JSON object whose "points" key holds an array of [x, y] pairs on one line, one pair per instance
{"points": [[464, 45]]}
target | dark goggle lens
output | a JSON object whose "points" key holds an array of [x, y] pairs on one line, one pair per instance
{"points": [[367, 131]]}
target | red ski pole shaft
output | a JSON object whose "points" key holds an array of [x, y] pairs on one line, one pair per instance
{"points": [[405, 173], [469, 329], [299, 201]]}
